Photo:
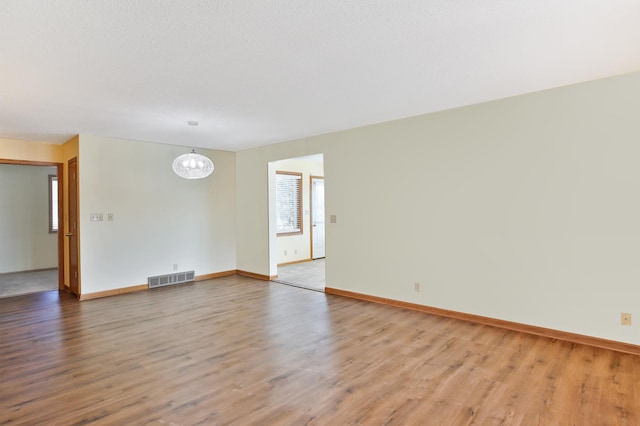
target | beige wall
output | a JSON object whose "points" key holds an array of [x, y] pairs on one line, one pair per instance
{"points": [[160, 219], [32, 151], [521, 209]]}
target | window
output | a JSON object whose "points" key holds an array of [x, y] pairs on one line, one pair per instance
{"points": [[53, 204], [289, 203]]}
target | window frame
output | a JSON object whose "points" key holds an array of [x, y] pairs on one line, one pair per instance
{"points": [[53, 196], [300, 220]]}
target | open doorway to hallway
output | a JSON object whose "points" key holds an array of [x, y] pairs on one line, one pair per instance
{"points": [[29, 238], [298, 213]]}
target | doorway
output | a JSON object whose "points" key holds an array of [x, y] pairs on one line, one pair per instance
{"points": [[31, 244], [298, 258]]}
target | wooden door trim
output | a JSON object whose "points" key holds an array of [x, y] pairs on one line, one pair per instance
{"points": [[77, 229], [59, 172]]}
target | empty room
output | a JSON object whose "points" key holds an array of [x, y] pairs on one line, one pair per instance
{"points": [[478, 238]]}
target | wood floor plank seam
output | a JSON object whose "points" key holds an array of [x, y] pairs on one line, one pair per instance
{"points": [[509, 325], [237, 350]]}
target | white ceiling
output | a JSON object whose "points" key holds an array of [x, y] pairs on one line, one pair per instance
{"points": [[256, 72]]}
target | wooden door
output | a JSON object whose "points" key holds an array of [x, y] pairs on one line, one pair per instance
{"points": [[72, 234]]}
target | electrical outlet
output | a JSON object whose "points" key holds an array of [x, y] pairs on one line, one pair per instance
{"points": [[285, 252], [625, 318], [416, 287], [110, 217]]}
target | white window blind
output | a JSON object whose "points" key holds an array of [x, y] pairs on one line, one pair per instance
{"points": [[289, 203]]}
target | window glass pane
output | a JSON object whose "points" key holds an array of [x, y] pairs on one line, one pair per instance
{"points": [[288, 202]]}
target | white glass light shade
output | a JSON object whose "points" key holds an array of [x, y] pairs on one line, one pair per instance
{"points": [[193, 166]]}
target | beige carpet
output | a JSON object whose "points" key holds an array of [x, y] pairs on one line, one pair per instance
{"points": [[307, 275], [17, 283]]}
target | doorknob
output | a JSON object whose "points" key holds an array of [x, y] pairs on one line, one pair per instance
{"points": [[68, 234]]}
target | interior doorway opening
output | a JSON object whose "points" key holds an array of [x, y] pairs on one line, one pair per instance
{"points": [[299, 254], [31, 245]]}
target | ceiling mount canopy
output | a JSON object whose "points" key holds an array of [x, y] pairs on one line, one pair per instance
{"points": [[193, 165]]}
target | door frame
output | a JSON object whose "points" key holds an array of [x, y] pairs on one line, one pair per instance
{"points": [[59, 171]]}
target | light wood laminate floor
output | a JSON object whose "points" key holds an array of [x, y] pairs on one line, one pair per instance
{"points": [[245, 352]]}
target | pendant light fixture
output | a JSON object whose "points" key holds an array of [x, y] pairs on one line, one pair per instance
{"points": [[193, 165]]}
